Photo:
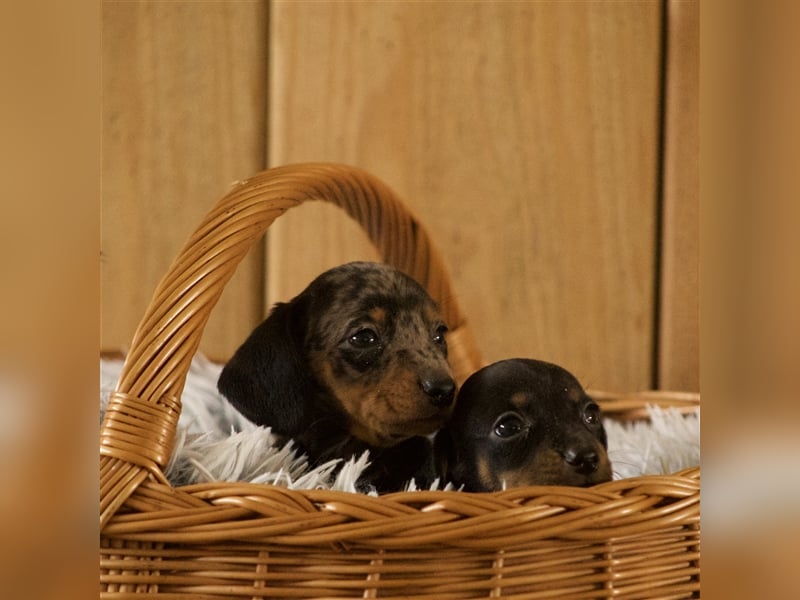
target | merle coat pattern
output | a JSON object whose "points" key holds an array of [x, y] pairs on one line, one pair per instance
{"points": [[357, 361]]}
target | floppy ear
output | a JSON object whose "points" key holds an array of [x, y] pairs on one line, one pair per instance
{"points": [[268, 379]]}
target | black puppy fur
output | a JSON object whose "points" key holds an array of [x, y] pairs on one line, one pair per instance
{"points": [[522, 422], [357, 361]]}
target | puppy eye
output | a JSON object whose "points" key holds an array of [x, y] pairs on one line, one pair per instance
{"points": [[591, 414], [508, 425], [439, 335], [363, 338]]}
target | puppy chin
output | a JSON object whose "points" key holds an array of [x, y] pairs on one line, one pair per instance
{"points": [[565, 477], [392, 434], [550, 469], [424, 425]]}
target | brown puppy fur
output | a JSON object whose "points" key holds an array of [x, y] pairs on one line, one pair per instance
{"points": [[357, 361], [522, 422]]}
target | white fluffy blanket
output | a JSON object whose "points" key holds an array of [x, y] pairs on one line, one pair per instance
{"points": [[216, 443]]}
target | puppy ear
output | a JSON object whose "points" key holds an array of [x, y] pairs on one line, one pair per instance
{"points": [[268, 379]]}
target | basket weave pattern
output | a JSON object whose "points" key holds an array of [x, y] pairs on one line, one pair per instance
{"points": [[635, 538]]}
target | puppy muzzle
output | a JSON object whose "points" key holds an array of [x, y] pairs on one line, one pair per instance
{"points": [[440, 390], [584, 460]]}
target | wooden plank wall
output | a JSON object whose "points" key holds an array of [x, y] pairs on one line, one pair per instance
{"points": [[184, 95], [525, 135], [679, 323]]}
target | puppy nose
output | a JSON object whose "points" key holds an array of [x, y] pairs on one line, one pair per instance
{"points": [[440, 391], [584, 461]]}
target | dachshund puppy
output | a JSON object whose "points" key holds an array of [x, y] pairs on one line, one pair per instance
{"points": [[357, 361], [522, 422]]}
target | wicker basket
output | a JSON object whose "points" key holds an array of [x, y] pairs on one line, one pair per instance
{"points": [[635, 538]]}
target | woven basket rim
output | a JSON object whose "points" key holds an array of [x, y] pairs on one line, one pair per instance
{"points": [[632, 538], [138, 505]]}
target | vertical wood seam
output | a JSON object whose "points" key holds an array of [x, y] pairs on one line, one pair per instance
{"points": [[658, 237]]}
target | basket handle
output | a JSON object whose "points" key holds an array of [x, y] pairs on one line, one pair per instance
{"points": [[138, 431]]}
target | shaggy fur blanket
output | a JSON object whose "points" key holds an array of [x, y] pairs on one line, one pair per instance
{"points": [[216, 443]]}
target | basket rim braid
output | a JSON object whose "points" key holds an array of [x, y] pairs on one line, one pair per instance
{"points": [[629, 538]]}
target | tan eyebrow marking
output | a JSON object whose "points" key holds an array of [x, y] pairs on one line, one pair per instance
{"points": [[520, 400], [378, 315]]}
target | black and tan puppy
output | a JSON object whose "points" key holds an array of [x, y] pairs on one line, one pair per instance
{"points": [[522, 422], [357, 361]]}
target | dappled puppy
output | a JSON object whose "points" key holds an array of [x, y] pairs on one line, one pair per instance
{"points": [[357, 361], [522, 422]]}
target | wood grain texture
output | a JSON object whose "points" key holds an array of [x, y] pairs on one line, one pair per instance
{"points": [[679, 346], [184, 92], [524, 135]]}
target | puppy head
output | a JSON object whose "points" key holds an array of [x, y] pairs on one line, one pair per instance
{"points": [[523, 422], [364, 342]]}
